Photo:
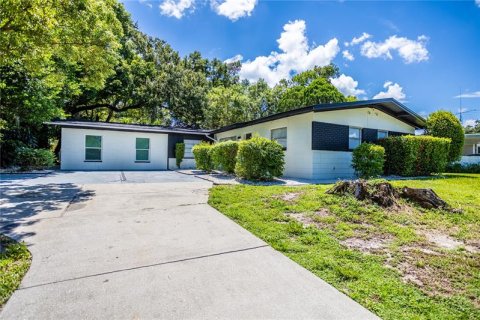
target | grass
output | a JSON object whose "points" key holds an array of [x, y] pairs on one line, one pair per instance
{"points": [[14, 263], [381, 258]]}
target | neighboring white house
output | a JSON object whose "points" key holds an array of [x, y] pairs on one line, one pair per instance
{"points": [[318, 140], [114, 146], [471, 149]]}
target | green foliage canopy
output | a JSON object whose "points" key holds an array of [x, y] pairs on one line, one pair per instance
{"points": [[444, 124]]}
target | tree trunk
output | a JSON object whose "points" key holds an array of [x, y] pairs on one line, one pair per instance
{"points": [[426, 198]]}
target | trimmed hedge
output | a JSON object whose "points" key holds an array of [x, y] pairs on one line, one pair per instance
{"points": [[224, 156], [34, 159], [202, 155], [259, 159], [415, 155], [466, 168], [368, 160], [179, 153]]}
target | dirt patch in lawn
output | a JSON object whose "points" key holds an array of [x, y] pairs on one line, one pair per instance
{"points": [[446, 242], [310, 219], [289, 197], [423, 265], [372, 244]]}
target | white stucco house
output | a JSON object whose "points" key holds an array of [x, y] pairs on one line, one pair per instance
{"points": [[113, 146], [471, 149], [318, 140]]}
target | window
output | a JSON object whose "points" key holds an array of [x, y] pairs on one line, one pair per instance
{"points": [[354, 137], [382, 134], [248, 136], [234, 138], [188, 148], [280, 135], [142, 146], [93, 148]]}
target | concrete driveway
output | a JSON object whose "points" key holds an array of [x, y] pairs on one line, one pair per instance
{"points": [[143, 245]]}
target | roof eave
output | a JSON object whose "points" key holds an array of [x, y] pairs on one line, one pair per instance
{"points": [[127, 129]]}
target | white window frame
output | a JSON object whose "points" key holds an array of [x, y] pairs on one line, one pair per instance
{"points": [[188, 151], [277, 139], [136, 149], [384, 131], [85, 149], [359, 137]]}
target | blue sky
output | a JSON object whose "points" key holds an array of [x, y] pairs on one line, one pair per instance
{"points": [[422, 53]]}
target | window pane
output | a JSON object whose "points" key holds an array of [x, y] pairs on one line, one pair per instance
{"points": [[353, 143], [93, 154], [143, 143], [279, 133], [93, 141], [188, 147], [142, 155], [382, 134], [283, 142], [354, 133]]}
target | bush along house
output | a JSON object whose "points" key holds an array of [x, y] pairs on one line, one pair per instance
{"points": [[318, 140]]}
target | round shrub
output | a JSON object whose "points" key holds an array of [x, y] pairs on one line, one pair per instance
{"points": [[368, 160], [259, 159], [34, 159], [179, 153], [203, 159], [224, 156], [444, 124]]}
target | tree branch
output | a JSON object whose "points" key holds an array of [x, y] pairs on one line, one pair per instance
{"points": [[105, 105]]}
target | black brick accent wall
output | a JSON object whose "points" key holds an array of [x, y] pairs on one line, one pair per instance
{"points": [[329, 136], [369, 135]]}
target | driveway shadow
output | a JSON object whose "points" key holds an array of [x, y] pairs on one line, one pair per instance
{"points": [[21, 205]]}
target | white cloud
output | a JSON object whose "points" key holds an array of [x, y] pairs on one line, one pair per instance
{"points": [[144, 2], [358, 40], [295, 56], [347, 86], [477, 2], [236, 58], [409, 50], [234, 9], [475, 94], [347, 55], [470, 122], [394, 90], [176, 8]]}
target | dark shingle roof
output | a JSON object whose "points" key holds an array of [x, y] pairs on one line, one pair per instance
{"points": [[125, 127], [389, 106]]}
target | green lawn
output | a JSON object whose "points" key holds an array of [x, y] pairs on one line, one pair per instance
{"points": [[14, 263], [409, 263]]}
